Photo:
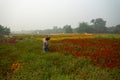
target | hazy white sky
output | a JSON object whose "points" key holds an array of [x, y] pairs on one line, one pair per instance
{"points": [[43, 14]]}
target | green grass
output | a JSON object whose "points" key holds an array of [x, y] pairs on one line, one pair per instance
{"points": [[109, 36], [37, 65]]}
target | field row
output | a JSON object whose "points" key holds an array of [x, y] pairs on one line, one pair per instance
{"points": [[103, 52]]}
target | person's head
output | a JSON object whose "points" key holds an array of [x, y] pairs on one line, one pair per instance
{"points": [[47, 38]]}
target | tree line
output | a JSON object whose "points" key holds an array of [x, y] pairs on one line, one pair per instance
{"points": [[97, 26], [4, 31]]}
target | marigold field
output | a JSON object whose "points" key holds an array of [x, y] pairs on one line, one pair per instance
{"points": [[70, 57]]}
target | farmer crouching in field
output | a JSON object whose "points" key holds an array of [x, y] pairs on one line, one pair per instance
{"points": [[45, 43]]}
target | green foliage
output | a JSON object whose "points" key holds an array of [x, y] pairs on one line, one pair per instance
{"points": [[109, 36], [117, 29], [84, 28], [67, 29], [4, 30], [99, 25]]}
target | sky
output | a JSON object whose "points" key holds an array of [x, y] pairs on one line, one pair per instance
{"points": [[44, 14]]}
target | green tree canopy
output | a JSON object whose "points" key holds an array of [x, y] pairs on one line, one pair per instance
{"points": [[99, 25], [84, 27], [4, 30], [117, 29], [67, 29]]}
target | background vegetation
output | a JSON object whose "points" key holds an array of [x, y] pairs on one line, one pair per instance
{"points": [[97, 26]]}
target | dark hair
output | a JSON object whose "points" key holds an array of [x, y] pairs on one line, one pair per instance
{"points": [[47, 38]]}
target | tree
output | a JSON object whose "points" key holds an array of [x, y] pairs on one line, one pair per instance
{"points": [[84, 27], [55, 29], [67, 29], [99, 25], [4, 30], [110, 29], [7, 31], [117, 29]]}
